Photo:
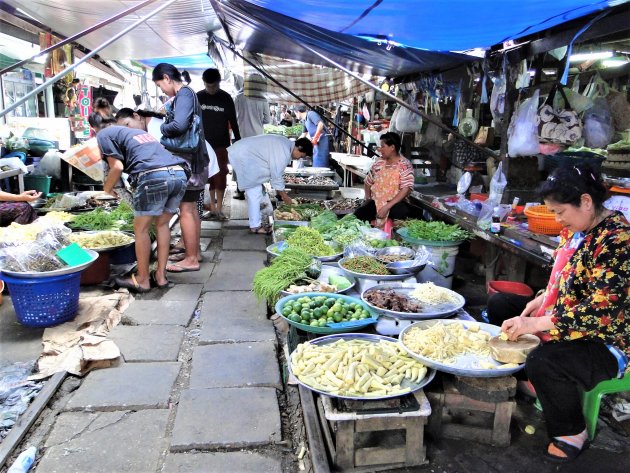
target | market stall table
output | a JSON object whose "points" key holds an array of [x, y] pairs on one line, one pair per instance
{"points": [[521, 244]]}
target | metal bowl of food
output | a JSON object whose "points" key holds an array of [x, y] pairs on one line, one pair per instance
{"points": [[372, 276], [394, 253], [406, 267]]}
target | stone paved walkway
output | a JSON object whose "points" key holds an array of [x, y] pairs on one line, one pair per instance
{"points": [[197, 387]]}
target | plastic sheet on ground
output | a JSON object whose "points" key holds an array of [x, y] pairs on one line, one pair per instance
{"points": [[16, 393]]}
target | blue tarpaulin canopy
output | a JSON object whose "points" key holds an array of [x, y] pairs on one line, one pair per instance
{"points": [[437, 25]]}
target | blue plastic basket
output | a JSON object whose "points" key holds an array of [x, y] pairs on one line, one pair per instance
{"points": [[46, 301]]}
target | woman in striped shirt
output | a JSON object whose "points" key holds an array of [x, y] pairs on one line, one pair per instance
{"points": [[388, 184]]}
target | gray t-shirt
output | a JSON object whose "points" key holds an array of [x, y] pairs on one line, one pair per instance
{"points": [[138, 150]]}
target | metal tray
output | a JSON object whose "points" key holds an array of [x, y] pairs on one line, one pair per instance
{"points": [[432, 311], [328, 271], [465, 364], [275, 251], [372, 338], [108, 248], [56, 272], [374, 277], [312, 187], [310, 171]]}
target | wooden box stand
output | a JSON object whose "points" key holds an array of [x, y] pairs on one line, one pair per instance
{"points": [[346, 433], [478, 409]]}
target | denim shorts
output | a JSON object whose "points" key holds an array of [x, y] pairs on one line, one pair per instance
{"points": [[159, 192]]}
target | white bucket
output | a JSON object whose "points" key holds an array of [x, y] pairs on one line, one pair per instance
{"points": [[441, 271]]}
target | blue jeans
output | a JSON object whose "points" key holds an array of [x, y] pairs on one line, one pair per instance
{"points": [[159, 192]]}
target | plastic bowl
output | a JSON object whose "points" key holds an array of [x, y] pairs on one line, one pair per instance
{"points": [[359, 324]]}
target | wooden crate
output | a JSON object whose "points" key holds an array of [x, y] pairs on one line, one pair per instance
{"points": [[455, 415], [368, 442]]}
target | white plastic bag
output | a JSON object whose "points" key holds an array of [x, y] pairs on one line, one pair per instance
{"points": [[523, 130], [408, 121], [598, 124], [392, 120], [497, 185], [497, 98]]}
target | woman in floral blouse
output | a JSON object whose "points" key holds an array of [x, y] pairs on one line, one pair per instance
{"points": [[583, 312], [388, 184]]}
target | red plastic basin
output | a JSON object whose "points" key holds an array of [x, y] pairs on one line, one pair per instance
{"points": [[511, 287]]}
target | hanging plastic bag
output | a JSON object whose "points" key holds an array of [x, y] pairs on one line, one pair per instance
{"points": [[408, 121], [523, 130], [497, 185], [598, 124], [497, 98], [392, 120]]}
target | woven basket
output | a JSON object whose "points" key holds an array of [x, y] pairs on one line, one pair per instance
{"points": [[541, 220]]}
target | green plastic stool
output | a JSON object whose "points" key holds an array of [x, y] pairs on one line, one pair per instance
{"points": [[592, 399]]}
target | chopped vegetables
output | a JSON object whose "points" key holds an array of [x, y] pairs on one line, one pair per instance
{"points": [[356, 368], [365, 265], [100, 240], [429, 293]]}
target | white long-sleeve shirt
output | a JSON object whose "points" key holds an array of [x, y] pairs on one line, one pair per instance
{"points": [[261, 159], [251, 114]]}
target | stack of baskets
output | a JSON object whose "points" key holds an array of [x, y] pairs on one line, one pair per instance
{"points": [[541, 220]]}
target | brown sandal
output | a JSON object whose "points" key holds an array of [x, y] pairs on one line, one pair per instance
{"points": [[260, 231]]}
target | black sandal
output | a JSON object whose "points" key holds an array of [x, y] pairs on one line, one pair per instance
{"points": [[154, 283], [570, 451], [131, 284]]}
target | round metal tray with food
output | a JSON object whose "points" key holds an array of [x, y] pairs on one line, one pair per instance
{"points": [[368, 267], [329, 280], [413, 301], [104, 240], [358, 366], [457, 347]]}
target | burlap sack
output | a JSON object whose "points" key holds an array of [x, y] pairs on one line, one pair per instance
{"points": [[619, 109]]}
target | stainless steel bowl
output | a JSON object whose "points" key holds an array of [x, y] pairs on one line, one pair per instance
{"points": [[396, 250], [406, 267]]}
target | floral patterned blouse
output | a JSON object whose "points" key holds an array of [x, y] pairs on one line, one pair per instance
{"points": [[594, 292]]}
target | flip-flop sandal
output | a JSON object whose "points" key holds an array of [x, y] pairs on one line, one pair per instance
{"points": [[132, 284], [570, 451], [177, 258], [260, 231], [221, 216], [154, 282], [176, 250], [181, 257], [180, 269]]}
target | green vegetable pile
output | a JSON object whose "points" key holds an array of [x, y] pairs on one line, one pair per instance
{"points": [[325, 221], [309, 241], [291, 266], [435, 231], [306, 211], [346, 231], [340, 282], [319, 311], [365, 265], [383, 243], [98, 219]]}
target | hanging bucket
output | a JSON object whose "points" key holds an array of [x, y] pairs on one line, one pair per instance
{"points": [[441, 265]]}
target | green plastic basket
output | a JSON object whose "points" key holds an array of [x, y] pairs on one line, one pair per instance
{"points": [[37, 183]]}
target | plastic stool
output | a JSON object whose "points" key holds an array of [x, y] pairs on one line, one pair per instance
{"points": [[592, 399]]}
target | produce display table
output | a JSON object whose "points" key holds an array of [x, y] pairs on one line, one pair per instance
{"points": [[521, 244]]}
